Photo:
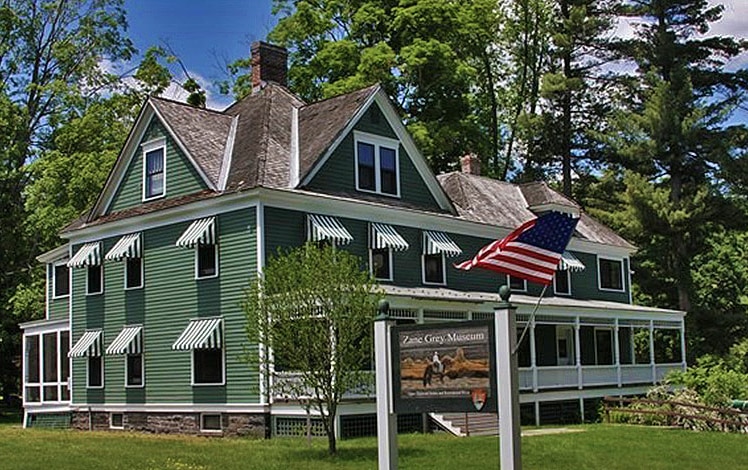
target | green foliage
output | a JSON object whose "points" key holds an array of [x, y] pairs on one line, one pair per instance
{"points": [[714, 380], [313, 308]]}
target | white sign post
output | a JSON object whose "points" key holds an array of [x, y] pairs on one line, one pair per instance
{"points": [[386, 419], [505, 325]]}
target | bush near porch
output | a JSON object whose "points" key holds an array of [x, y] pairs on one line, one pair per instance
{"points": [[594, 447]]}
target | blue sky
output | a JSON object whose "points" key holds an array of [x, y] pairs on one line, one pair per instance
{"points": [[205, 34]]}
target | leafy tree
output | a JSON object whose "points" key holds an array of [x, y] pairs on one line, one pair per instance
{"points": [[51, 55], [674, 137], [433, 57], [312, 311]]}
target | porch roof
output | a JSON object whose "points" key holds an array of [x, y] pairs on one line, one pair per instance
{"points": [[444, 294]]}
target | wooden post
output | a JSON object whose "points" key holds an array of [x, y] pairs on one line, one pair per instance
{"points": [[386, 418], [505, 328]]}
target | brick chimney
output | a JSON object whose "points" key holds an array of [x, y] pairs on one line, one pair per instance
{"points": [[470, 164], [269, 64]]}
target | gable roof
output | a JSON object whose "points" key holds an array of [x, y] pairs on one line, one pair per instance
{"points": [[321, 123], [508, 205], [202, 133]]}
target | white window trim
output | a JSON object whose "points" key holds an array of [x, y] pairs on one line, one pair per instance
{"points": [[111, 421], [377, 141], [54, 281], [612, 345], [197, 272], [223, 370], [423, 271], [599, 277], [568, 285], [88, 370], [371, 265], [101, 275], [61, 383], [142, 275], [220, 423], [147, 147], [142, 370], [524, 284]]}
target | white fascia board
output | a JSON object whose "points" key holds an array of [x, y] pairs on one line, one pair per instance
{"points": [[227, 155], [195, 210], [53, 255], [44, 326], [129, 150], [317, 203], [181, 146]]}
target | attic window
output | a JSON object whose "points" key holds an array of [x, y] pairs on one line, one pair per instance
{"points": [[377, 164], [154, 169]]}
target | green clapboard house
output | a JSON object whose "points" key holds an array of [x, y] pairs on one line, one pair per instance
{"points": [[144, 329]]}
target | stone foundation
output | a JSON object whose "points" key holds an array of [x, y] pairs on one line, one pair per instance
{"points": [[232, 424]]}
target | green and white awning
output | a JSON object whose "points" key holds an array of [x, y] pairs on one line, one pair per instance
{"points": [[201, 334], [126, 247], [200, 232], [129, 340], [439, 242], [322, 227], [88, 255], [88, 345], [385, 236], [570, 262]]}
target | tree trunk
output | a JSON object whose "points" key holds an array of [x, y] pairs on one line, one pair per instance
{"points": [[566, 111]]}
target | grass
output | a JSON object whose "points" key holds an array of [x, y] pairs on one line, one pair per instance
{"points": [[598, 447]]}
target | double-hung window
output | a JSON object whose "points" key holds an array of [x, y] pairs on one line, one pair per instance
{"points": [[436, 246], [610, 274], [128, 248], [154, 169], [377, 164], [383, 240], [517, 284], [562, 282], [201, 236], [61, 280], [204, 337], [89, 257]]}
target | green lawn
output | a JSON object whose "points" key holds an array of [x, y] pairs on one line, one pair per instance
{"points": [[597, 447]]}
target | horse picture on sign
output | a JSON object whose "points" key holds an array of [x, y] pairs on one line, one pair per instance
{"points": [[445, 367]]}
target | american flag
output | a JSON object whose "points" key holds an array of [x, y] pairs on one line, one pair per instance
{"points": [[530, 252]]}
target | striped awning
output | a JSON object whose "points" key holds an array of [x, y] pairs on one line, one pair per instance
{"points": [[322, 227], [200, 334], [88, 255], [439, 242], [126, 247], [570, 262], [385, 236], [88, 345], [129, 340], [201, 232]]}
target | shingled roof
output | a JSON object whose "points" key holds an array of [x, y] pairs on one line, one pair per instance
{"points": [[507, 205], [202, 132]]}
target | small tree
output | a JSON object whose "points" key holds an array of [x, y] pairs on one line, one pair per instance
{"points": [[311, 313]]}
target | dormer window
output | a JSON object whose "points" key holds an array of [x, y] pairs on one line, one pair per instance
{"points": [[377, 164], [154, 169]]}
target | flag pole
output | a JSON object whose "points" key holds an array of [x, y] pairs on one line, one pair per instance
{"points": [[529, 322]]}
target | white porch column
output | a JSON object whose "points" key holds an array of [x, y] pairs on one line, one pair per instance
{"points": [[578, 353], [386, 418], [533, 357], [617, 343], [505, 331], [683, 344], [652, 351], [632, 344]]}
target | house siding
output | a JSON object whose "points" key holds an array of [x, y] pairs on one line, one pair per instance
{"points": [[170, 299], [57, 309], [181, 177], [338, 175], [287, 228]]}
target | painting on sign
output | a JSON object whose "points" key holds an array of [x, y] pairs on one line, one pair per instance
{"points": [[445, 367]]}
